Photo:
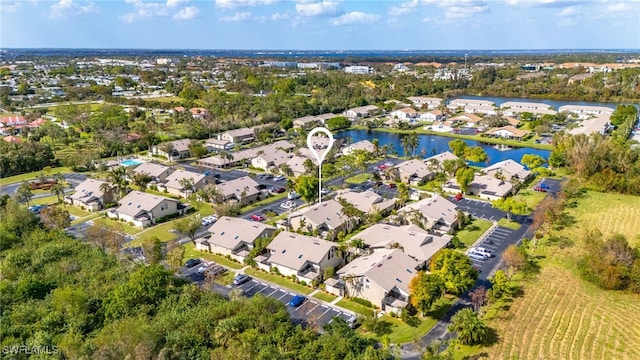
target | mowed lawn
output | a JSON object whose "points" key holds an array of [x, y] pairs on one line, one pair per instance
{"points": [[609, 213], [562, 317]]}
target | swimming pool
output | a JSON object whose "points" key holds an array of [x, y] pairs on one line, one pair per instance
{"points": [[131, 162]]}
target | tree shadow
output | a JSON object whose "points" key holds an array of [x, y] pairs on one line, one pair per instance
{"points": [[483, 355], [412, 321], [561, 242], [563, 221], [383, 327], [472, 228], [492, 337]]}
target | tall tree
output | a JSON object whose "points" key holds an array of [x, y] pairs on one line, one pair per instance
{"points": [[469, 327], [307, 187], [24, 194], [532, 161], [458, 147], [456, 270], [188, 227], [425, 290], [55, 217], [464, 177]]}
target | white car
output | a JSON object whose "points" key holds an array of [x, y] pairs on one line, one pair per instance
{"points": [[477, 255], [484, 251], [293, 195], [287, 205]]}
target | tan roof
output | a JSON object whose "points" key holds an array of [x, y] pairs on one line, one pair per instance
{"points": [[515, 131], [595, 125], [360, 145], [294, 250], [424, 99], [413, 167], [486, 184], [230, 233], [407, 110], [135, 202], [88, 189], [511, 121], [151, 169], [389, 268], [414, 241], [447, 155], [237, 186], [364, 109], [306, 119], [278, 157], [173, 180], [327, 212], [525, 105], [367, 201], [181, 145], [471, 118], [436, 208], [326, 116], [240, 132], [509, 166]]}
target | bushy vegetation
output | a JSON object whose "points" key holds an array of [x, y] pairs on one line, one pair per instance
{"points": [[24, 157], [59, 292]]}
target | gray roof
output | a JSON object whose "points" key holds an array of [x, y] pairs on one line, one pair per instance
{"points": [[135, 202], [413, 240], [413, 167], [389, 268], [436, 208], [510, 167], [173, 180], [366, 201], [240, 132], [294, 250], [327, 212], [88, 189], [229, 232], [151, 169], [447, 155], [237, 186]]}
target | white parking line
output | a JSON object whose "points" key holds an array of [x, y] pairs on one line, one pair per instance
{"points": [[283, 295], [252, 287], [274, 291], [263, 289], [308, 312]]}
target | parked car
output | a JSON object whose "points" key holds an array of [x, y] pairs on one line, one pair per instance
{"points": [[544, 186], [538, 188], [324, 191], [287, 205], [216, 270], [484, 251], [278, 178], [297, 301], [241, 279], [458, 196], [391, 185], [278, 190], [477, 256], [257, 217], [192, 262], [267, 176], [36, 209], [293, 195], [389, 164]]}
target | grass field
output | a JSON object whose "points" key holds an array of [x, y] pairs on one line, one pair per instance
{"points": [[33, 175], [473, 231], [279, 280], [324, 296], [561, 316], [508, 224]]}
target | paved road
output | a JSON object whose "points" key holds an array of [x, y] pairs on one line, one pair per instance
{"points": [[498, 240], [72, 178]]}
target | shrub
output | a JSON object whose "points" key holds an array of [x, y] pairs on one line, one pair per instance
{"points": [[362, 302]]}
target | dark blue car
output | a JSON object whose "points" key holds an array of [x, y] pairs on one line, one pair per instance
{"points": [[544, 186], [297, 300]]}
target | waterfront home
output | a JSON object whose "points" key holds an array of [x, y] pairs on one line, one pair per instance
{"points": [[507, 132], [468, 120], [599, 124], [515, 108], [233, 237], [382, 277], [433, 115], [302, 256], [584, 112], [365, 145], [507, 170], [360, 112], [405, 114], [457, 104], [424, 102], [436, 162]]}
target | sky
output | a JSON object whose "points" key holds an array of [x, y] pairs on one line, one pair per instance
{"points": [[321, 24]]}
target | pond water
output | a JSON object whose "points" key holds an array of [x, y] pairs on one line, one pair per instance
{"points": [[433, 144]]}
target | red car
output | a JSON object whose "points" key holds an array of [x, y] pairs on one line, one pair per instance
{"points": [[391, 185], [257, 217], [458, 196], [539, 188]]}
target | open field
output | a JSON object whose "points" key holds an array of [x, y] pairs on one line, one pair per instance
{"points": [[33, 175], [563, 317], [609, 213], [473, 231]]}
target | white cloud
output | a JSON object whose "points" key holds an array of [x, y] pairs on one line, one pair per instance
{"points": [[9, 6], [64, 8], [404, 8], [618, 7], [355, 17], [231, 4], [568, 11], [544, 3], [321, 8], [187, 13], [239, 16], [144, 9], [427, 20], [567, 22], [279, 16], [459, 9]]}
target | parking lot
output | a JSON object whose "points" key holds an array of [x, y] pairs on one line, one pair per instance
{"points": [[496, 241], [479, 209], [311, 312]]}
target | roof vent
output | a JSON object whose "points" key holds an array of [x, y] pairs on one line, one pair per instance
{"points": [[300, 256]]}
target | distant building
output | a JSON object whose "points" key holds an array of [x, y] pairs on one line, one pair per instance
{"points": [[363, 70]]}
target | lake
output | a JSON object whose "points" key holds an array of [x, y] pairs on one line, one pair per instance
{"points": [[434, 144]]}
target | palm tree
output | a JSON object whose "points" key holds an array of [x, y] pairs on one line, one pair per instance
{"points": [[413, 143], [515, 184], [118, 178], [168, 149], [376, 147], [58, 190], [404, 142], [141, 180], [187, 185], [461, 218], [286, 170], [470, 329], [309, 166], [403, 192]]}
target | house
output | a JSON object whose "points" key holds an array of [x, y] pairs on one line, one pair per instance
{"points": [[199, 113], [457, 104], [584, 112], [414, 171], [507, 132], [599, 124], [423, 102], [365, 145], [382, 277], [302, 256], [367, 201], [157, 172], [484, 186], [326, 116], [296, 164], [436, 162], [441, 126], [218, 144], [480, 109], [323, 217], [179, 149], [411, 239], [238, 136], [360, 112], [143, 209], [435, 213], [468, 119], [511, 121], [269, 160], [405, 114], [515, 108], [184, 183], [433, 115], [91, 194], [305, 121], [508, 169], [234, 237], [243, 190], [11, 139]]}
